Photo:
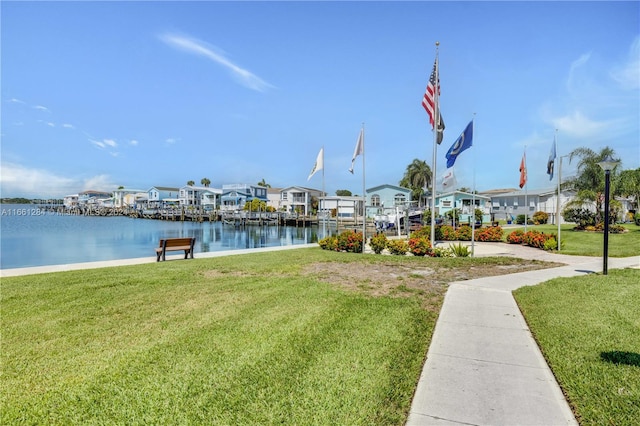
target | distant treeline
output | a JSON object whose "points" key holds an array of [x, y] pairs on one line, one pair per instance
{"points": [[28, 201]]}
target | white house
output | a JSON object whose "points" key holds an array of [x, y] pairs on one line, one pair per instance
{"points": [[511, 203], [91, 197], [465, 202], [298, 199], [71, 201], [342, 207], [159, 196], [127, 197], [199, 196], [386, 196]]}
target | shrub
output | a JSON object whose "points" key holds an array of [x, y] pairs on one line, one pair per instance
{"points": [[550, 245], [463, 233], [350, 241], [460, 250], [442, 252], [637, 218], [540, 218], [378, 243], [420, 246], [581, 217], [515, 237], [424, 231], [520, 219], [329, 243], [398, 247], [537, 239], [447, 233], [492, 233]]}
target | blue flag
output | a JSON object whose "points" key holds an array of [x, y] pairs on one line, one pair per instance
{"points": [[552, 159], [464, 141]]}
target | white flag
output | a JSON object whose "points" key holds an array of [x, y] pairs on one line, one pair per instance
{"points": [[359, 149], [449, 179], [319, 163]]}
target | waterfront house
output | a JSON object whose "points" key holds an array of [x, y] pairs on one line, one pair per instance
{"points": [[128, 197], [387, 197], [90, 198], [463, 201], [508, 204], [71, 201], [200, 196], [273, 198], [235, 196], [341, 207], [163, 196], [297, 199]]}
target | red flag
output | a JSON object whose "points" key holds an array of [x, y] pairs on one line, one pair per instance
{"points": [[523, 170]]}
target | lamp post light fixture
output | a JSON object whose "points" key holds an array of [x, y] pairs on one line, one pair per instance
{"points": [[607, 165]]}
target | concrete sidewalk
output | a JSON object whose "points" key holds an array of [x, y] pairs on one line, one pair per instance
{"points": [[483, 366]]}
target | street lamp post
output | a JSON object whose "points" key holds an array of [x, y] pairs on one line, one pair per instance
{"points": [[607, 165]]}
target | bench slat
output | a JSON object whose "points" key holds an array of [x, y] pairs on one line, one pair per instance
{"points": [[175, 244]]}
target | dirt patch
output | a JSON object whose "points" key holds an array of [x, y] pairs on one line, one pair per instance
{"points": [[397, 280]]}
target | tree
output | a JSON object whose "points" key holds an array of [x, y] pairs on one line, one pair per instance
{"points": [[628, 185], [589, 180], [263, 183], [205, 182], [343, 193], [190, 183], [417, 177]]}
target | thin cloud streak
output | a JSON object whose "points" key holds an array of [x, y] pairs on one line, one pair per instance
{"points": [[190, 45]]}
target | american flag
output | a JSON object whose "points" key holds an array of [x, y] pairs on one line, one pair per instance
{"points": [[429, 101]]}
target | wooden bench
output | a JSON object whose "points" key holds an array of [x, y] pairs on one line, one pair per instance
{"points": [[175, 244]]}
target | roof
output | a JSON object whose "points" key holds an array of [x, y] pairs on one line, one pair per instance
{"points": [[387, 185]]}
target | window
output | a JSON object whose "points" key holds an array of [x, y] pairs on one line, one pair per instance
{"points": [[446, 203], [399, 199], [375, 200], [284, 196]]}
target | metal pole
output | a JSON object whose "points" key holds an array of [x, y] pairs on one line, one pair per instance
{"points": [[435, 144], [606, 223]]}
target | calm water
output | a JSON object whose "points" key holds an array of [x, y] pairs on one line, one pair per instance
{"points": [[31, 238]]}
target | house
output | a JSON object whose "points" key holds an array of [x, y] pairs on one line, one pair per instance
{"points": [[235, 196], [127, 197], [463, 201], [71, 201], [386, 197], [200, 196], [299, 199], [161, 196], [342, 207], [511, 203], [273, 198], [91, 197]]}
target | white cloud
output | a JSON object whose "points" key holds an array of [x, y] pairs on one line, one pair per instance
{"points": [[104, 143], [171, 141], [197, 47], [575, 66], [628, 73], [68, 126], [17, 101], [110, 142], [133, 142], [41, 108], [576, 124]]}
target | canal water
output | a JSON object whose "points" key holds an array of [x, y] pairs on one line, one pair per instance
{"points": [[31, 237]]}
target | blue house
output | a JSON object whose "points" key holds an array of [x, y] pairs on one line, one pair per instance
{"points": [[235, 196], [463, 201], [388, 197]]}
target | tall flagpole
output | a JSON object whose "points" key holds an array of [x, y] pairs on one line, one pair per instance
{"points": [[364, 198], [555, 143], [526, 179], [473, 195], [436, 114], [324, 216]]}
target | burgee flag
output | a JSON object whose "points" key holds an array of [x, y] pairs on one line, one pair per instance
{"points": [[429, 102], [359, 149], [552, 159], [464, 141], [319, 163], [523, 170]]}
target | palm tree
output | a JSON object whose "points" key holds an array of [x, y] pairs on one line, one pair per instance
{"points": [[190, 183], [589, 180], [417, 177], [205, 182], [628, 185], [263, 183]]}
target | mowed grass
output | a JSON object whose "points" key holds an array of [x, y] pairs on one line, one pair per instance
{"points": [[592, 243], [588, 328], [244, 339]]}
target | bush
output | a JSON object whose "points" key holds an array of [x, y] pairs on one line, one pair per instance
{"points": [[329, 243], [537, 239], [420, 246], [460, 250], [520, 219], [550, 245], [424, 231], [447, 233], [350, 241], [463, 233], [378, 243], [515, 237], [398, 247], [492, 233], [581, 217], [540, 218], [442, 252], [636, 218]]}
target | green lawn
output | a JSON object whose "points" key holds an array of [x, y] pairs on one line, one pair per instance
{"points": [[588, 328], [245, 339], [592, 243]]}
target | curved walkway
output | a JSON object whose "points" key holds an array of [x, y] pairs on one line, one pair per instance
{"points": [[483, 366]]}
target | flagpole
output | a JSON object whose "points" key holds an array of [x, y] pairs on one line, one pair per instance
{"points": [[526, 206], [364, 198], [555, 142], [435, 143], [473, 195], [324, 216]]}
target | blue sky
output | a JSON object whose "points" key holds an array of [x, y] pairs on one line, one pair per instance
{"points": [[101, 94]]}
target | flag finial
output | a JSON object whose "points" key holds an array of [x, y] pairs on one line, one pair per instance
{"points": [[437, 43]]}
